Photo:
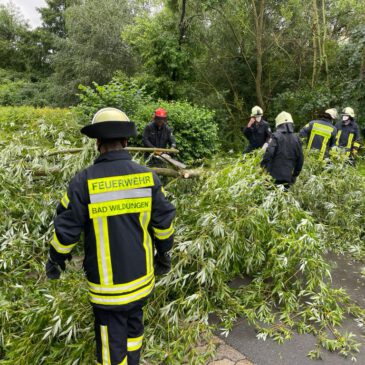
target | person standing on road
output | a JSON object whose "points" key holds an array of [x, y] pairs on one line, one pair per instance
{"points": [[283, 158], [257, 132], [116, 203]]}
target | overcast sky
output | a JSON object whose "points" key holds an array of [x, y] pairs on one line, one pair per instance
{"points": [[28, 9]]}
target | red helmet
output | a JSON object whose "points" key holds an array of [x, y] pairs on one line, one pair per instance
{"points": [[160, 113]]}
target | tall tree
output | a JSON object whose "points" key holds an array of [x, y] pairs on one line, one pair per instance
{"points": [[12, 30], [93, 49], [53, 16]]}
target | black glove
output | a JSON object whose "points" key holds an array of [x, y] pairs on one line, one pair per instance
{"points": [[162, 263], [53, 268]]}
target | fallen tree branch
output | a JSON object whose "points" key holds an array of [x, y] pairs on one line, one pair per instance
{"points": [[186, 174], [44, 172], [129, 149], [151, 149], [62, 152]]}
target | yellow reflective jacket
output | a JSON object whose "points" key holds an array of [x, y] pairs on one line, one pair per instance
{"points": [[320, 135]]}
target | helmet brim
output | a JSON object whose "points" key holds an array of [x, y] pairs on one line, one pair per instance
{"points": [[110, 130]]}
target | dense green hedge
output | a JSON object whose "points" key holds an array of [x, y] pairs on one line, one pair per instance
{"points": [[44, 127], [18, 89], [195, 128]]}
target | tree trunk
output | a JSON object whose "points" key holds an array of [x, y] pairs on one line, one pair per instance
{"points": [[362, 66], [182, 33], [315, 42], [182, 24], [324, 39], [259, 30]]}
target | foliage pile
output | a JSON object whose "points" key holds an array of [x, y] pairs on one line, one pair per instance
{"points": [[234, 222], [337, 201]]}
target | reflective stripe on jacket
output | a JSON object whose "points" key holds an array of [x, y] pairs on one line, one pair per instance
{"points": [[348, 136], [122, 210], [320, 135]]}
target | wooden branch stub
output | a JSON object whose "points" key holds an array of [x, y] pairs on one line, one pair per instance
{"points": [[186, 174]]}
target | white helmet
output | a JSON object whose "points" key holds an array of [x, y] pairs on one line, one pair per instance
{"points": [[110, 123], [348, 111], [282, 118], [256, 111], [332, 112]]}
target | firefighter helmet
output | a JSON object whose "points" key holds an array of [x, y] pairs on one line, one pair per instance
{"points": [[332, 112], [256, 111], [348, 111], [283, 118], [110, 123]]}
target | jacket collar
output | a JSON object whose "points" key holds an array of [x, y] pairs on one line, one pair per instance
{"points": [[328, 121], [113, 156], [157, 127], [285, 128]]}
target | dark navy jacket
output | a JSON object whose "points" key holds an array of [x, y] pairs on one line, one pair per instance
{"points": [[320, 135], [162, 137], [258, 134], [118, 205], [283, 158], [347, 134]]}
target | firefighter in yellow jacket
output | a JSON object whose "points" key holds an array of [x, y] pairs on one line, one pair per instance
{"points": [[320, 133], [121, 208]]}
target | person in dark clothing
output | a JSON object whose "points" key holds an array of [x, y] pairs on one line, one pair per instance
{"points": [[157, 133], [348, 133], [118, 205], [258, 131], [283, 158], [320, 134]]}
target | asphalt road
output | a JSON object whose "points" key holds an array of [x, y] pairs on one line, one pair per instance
{"points": [[346, 274]]}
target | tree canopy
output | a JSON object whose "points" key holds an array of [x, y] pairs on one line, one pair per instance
{"points": [[227, 55]]}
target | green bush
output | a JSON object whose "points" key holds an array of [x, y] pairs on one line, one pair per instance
{"points": [[42, 127], [17, 89], [305, 103], [194, 127]]}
